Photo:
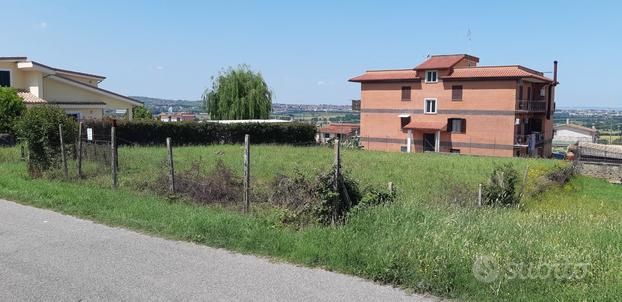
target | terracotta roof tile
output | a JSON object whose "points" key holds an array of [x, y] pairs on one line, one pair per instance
{"points": [[387, 75], [514, 71], [340, 128], [30, 98], [443, 61], [426, 125]]}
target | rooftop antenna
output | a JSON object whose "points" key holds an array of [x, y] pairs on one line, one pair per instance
{"points": [[469, 40]]}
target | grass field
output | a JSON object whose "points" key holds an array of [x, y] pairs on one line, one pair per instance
{"points": [[419, 242]]}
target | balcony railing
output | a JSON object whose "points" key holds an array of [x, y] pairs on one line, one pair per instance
{"points": [[524, 139], [533, 106]]}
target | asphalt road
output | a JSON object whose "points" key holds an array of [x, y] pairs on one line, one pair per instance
{"points": [[46, 256]]}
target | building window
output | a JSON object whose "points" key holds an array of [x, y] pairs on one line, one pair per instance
{"points": [[456, 93], [431, 76], [405, 93], [5, 78], [543, 92], [520, 92], [454, 151], [529, 93], [404, 120], [456, 125], [430, 106], [326, 135]]}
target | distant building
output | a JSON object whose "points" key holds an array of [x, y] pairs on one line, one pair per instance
{"points": [[568, 133], [176, 116], [450, 104], [258, 121], [339, 130]]}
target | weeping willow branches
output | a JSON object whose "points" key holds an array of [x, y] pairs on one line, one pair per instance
{"points": [[237, 94]]}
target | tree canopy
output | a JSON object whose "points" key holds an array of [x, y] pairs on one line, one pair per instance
{"points": [[11, 108], [238, 94], [141, 113]]}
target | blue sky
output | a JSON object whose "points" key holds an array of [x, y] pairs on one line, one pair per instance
{"points": [[308, 50]]}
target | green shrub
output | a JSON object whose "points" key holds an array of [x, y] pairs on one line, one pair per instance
{"points": [[501, 187], [11, 108], [141, 113], [39, 129], [145, 133], [309, 201]]}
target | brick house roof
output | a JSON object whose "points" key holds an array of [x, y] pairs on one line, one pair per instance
{"points": [[444, 61], [447, 62], [513, 71], [387, 75], [340, 128]]}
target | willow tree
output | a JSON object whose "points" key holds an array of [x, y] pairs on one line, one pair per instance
{"points": [[238, 94]]}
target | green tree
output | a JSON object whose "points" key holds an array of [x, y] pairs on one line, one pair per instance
{"points": [[39, 128], [11, 108], [238, 94], [142, 113]]}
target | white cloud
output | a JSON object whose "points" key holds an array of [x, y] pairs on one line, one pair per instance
{"points": [[40, 26], [321, 83], [159, 67]]}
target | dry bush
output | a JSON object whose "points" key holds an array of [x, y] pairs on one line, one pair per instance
{"points": [[559, 176], [220, 185]]}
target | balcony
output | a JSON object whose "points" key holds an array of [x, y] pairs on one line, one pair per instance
{"points": [[524, 139], [532, 106]]}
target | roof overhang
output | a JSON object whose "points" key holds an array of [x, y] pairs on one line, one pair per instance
{"points": [[80, 105], [95, 89], [30, 65], [427, 125]]}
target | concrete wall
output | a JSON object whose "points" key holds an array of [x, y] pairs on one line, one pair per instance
{"points": [[608, 171]]}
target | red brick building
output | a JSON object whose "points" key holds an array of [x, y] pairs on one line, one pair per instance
{"points": [[449, 104]]}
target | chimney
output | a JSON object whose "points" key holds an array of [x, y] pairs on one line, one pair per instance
{"points": [[555, 73]]}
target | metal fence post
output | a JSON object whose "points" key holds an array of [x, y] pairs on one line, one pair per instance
{"points": [[171, 168], [479, 196], [113, 157], [79, 153], [62, 152], [247, 173], [337, 164]]}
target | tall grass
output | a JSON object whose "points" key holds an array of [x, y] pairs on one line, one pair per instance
{"points": [[416, 243]]}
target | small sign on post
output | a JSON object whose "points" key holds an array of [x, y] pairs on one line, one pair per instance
{"points": [[89, 134]]}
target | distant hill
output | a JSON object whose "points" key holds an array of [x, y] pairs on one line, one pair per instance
{"points": [[158, 105]]}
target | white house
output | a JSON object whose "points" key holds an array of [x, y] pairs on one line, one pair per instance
{"points": [[568, 133], [76, 92]]}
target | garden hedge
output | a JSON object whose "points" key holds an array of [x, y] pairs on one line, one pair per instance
{"points": [[144, 133]]}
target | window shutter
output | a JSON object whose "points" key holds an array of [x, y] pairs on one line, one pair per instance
{"points": [[456, 93], [520, 93], [463, 126], [406, 93]]}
